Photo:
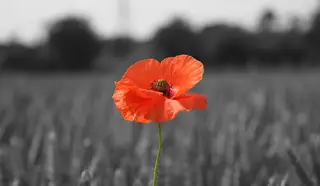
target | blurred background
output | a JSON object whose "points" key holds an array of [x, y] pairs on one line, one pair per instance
{"points": [[59, 59], [75, 35]]}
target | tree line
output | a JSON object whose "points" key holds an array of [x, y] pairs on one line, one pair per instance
{"points": [[73, 45]]}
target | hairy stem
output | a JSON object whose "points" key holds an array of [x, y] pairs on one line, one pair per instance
{"points": [[156, 165]]}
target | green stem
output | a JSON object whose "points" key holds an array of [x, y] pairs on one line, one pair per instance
{"points": [[156, 165]]}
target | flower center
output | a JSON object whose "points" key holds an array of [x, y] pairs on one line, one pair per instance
{"points": [[161, 85]]}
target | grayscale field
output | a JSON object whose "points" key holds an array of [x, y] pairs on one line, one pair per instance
{"points": [[54, 127]]}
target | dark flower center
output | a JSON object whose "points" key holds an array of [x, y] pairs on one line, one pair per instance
{"points": [[161, 85]]}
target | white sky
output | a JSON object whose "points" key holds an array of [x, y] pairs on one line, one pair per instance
{"points": [[27, 19]]}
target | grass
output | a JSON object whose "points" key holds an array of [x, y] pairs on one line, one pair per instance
{"points": [[54, 127]]}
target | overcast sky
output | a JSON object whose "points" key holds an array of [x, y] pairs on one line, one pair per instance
{"points": [[27, 19]]}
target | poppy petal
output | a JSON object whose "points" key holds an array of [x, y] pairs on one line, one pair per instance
{"points": [[183, 72], [193, 101], [167, 110], [143, 72], [144, 106], [133, 102]]}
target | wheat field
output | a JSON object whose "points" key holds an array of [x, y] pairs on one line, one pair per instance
{"points": [[54, 127]]}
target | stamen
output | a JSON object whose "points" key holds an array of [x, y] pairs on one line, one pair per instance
{"points": [[161, 85]]}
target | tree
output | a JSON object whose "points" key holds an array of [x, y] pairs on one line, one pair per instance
{"points": [[19, 57], [122, 46], [267, 21], [224, 45], [313, 35], [73, 43], [177, 38]]}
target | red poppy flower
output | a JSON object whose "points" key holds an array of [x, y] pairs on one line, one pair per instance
{"points": [[156, 91]]}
